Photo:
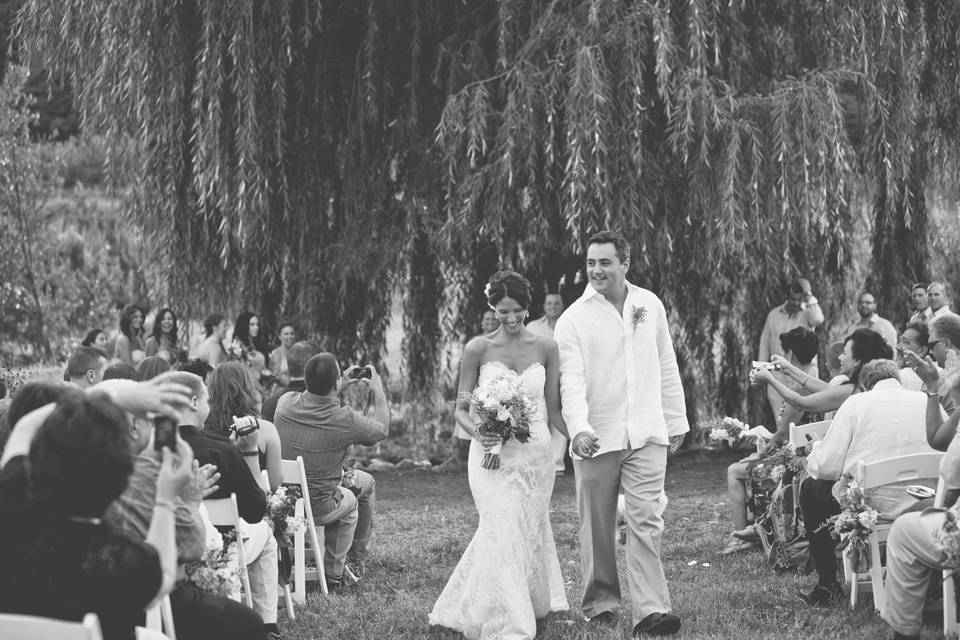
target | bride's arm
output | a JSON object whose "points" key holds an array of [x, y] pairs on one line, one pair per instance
{"points": [[469, 370], [551, 389]]}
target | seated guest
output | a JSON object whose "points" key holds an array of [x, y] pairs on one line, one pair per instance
{"points": [[234, 394], [883, 421], [940, 372], [915, 339], [85, 367], [29, 397], [297, 357], [150, 367], [59, 559], [239, 468], [120, 371], [197, 367], [799, 348], [197, 614], [913, 554], [314, 425]]}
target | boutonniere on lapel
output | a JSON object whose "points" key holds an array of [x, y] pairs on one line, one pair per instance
{"points": [[638, 315]]}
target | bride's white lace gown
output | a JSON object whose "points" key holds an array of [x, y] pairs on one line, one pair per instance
{"points": [[509, 575]]}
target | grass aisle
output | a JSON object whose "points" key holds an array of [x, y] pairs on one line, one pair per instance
{"points": [[425, 520]]}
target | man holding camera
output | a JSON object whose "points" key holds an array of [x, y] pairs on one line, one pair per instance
{"points": [[315, 425]]}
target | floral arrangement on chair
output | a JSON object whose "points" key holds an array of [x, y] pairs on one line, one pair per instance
{"points": [[780, 458], [948, 538], [281, 505], [215, 573], [853, 525]]}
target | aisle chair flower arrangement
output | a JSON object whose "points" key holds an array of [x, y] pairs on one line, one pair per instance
{"points": [[214, 571], [281, 511], [948, 539], [853, 525], [503, 409]]}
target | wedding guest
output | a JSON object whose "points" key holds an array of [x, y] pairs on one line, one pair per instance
{"points": [[920, 304], [98, 340], [278, 357], [489, 322], [120, 371], [85, 367], [27, 398], [151, 367], [915, 339], [940, 372], [297, 357], [246, 331], [939, 300], [237, 461], [883, 421], [544, 326], [870, 319], [234, 394], [211, 349], [624, 408], [59, 559], [163, 341], [314, 425], [129, 347], [197, 614], [197, 367], [913, 555]]}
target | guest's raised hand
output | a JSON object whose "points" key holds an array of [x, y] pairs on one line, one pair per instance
{"points": [[585, 444], [761, 375], [204, 482], [150, 398], [780, 362], [176, 473], [926, 369]]}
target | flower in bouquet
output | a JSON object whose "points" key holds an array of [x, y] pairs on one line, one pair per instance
{"points": [[216, 574], [504, 409], [237, 351]]}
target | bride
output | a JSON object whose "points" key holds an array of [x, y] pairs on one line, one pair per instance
{"points": [[509, 575]]}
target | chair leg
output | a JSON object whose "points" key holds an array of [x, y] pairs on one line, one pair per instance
{"points": [[876, 572], [950, 624], [299, 558], [289, 600]]}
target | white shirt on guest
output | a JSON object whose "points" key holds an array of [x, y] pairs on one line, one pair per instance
{"points": [[540, 327], [910, 380], [619, 380], [885, 422]]}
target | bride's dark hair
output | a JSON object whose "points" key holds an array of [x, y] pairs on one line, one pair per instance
{"points": [[508, 284]]}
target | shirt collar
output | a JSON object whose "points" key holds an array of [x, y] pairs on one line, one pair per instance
{"points": [[322, 401], [589, 292], [887, 383]]}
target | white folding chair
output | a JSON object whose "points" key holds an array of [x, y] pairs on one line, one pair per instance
{"points": [[294, 473], [803, 434], [14, 625], [870, 475], [224, 513], [160, 618]]}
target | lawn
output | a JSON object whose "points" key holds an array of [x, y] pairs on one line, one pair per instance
{"points": [[425, 521]]}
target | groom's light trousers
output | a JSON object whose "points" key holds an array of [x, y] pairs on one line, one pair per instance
{"points": [[641, 473]]}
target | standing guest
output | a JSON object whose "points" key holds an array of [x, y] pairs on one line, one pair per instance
{"points": [[211, 349], [624, 408], [237, 461], [150, 367], [85, 367], [246, 331], [97, 339], [314, 425], [489, 322], [544, 326], [234, 394], [164, 342], [59, 558], [883, 421], [129, 348], [197, 614], [278, 357], [914, 339], [870, 319], [800, 310], [297, 357], [939, 300], [920, 303]]}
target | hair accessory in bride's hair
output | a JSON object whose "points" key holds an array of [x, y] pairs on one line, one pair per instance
{"points": [[486, 290]]}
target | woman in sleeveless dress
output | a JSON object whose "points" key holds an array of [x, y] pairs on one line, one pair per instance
{"points": [[509, 575]]}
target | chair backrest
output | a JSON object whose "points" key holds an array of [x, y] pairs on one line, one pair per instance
{"points": [[294, 472], [37, 628], [916, 466], [223, 512], [803, 434]]}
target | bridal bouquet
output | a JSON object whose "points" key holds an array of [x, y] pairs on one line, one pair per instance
{"points": [[853, 526], [503, 409]]}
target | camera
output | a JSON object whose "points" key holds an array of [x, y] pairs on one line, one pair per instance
{"points": [[359, 373], [765, 366], [164, 433], [246, 429]]}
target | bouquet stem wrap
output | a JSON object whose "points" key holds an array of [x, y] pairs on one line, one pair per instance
{"points": [[491, 457]]}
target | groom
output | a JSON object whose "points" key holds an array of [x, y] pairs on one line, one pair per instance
{"points": [[623, 405]]}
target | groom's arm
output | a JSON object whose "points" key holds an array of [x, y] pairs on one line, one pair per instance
{"points": [[573, 382], [671, 388]]}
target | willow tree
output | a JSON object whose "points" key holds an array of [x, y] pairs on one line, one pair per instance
{"points": [[308, 158]]}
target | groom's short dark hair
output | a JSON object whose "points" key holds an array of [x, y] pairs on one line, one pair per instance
{"points": [[612, 237], [321, 373]]}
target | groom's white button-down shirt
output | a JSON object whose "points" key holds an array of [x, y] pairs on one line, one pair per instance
{"points": [[618, 374]]}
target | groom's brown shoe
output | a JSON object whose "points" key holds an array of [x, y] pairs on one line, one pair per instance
{"points": [[657, 624]]}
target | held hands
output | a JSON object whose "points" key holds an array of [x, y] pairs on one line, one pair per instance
{"points": [[675, 443], [586, 444]]}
